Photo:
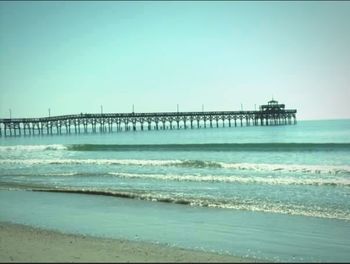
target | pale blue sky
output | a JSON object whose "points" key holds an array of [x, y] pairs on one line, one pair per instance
{"points": [[72, 57]]}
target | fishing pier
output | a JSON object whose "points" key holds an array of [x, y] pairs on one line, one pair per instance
{"points": [[270, 114]]}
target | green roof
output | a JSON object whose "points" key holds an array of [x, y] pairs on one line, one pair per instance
{"points": [[273, 102]]}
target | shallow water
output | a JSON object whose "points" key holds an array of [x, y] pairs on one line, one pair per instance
{"points": [[244, 233]]}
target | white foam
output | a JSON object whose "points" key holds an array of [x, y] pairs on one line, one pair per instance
{"points": [[284, 209], [304, 168], [90, 161]]}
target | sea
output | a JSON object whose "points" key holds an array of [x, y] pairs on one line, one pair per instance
{"points": [[274, 193]]}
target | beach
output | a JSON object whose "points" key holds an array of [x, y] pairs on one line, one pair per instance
{"points": [[20, 243]]}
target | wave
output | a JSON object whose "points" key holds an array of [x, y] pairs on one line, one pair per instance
{"points": [[268, 147], [232, 179], [30, 148], [263, 167], [178, 198], [215, 147]]}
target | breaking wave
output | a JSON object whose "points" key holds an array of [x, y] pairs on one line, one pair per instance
{"points": [[238, 179], [307, 169], [178, 198], [215, 147], [232, 179], [29, 148], [187, 147]]}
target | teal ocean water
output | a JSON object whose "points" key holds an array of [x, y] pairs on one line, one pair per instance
{"points": [[275, 193]]}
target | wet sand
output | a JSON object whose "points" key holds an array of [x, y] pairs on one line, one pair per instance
{"points": [[19, 243]]}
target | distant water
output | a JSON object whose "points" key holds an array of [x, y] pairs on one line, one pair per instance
{"points": [[300, 171]]}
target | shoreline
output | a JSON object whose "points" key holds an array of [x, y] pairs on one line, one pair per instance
{"points": [[22, 243]]}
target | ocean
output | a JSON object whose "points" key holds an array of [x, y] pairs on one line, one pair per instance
{"points": [[275, 193]]}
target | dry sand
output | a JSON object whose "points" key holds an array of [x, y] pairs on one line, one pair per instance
{"points": [[20, 243]]}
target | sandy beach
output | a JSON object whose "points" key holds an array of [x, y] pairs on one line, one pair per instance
{"points": [[19, 243]]}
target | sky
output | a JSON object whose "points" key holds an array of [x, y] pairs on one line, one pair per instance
{"points": [[73, 57]]}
